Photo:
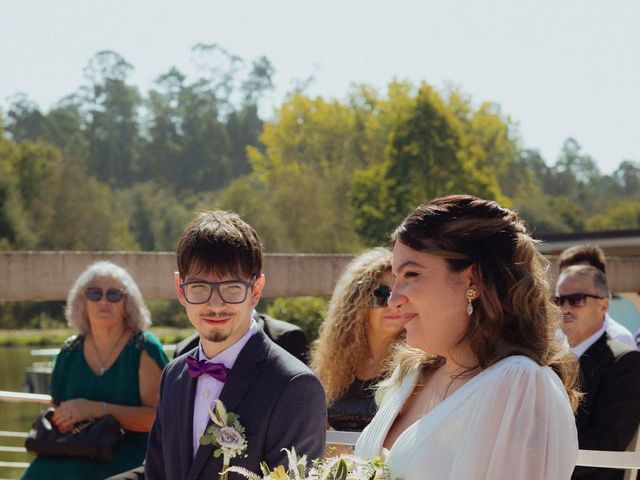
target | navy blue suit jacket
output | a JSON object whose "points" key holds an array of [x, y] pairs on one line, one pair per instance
{"points": [[280, 402]]}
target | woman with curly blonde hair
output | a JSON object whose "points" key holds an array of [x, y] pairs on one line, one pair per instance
{"points": [[355, 339], [486, 390]]}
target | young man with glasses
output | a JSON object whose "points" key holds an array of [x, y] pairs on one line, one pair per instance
{"points": [[279, 402], [609, 413]]}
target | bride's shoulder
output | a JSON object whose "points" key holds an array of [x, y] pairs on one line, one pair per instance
{"points": [[518, 371]]}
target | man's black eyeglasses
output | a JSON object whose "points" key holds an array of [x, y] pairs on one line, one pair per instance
{"points": [[574, 299], [380, 297], [230, 291], [95, 294]]}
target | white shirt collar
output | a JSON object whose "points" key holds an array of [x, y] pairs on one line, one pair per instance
{"points": [[583, 346]]}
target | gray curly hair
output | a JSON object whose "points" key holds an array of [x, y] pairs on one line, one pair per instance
{"points": [[137, 316]]}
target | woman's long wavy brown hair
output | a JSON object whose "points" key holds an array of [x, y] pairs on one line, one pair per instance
{"points": [[514, 314], [342, 342]]}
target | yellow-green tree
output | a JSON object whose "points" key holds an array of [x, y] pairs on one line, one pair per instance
{"points": [[305, 173], [428, 156]]}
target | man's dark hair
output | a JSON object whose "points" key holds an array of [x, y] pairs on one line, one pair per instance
{"points": [[219, 242], [578, 254]]}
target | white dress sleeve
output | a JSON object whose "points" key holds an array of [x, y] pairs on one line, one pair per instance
{"points": [[512, 421], [521, 427]]}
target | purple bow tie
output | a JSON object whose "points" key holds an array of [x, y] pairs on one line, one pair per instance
{"points": [[200, 367]]}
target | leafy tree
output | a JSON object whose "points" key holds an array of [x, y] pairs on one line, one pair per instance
{"points": [[25, 121], [259, 81], [14, 231], [624, 215], [627, 175], [112, 128], [64, 128], [491, 141], [156, 217], [310, 150], [427, 158]]}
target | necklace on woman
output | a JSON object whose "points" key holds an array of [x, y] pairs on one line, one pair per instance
{"points": [[103, 364]]}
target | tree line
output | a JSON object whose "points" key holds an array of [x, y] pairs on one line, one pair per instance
{"points": [[111, 168]]}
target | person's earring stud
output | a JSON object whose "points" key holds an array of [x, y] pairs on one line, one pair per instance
{"points": [[471, 296]]}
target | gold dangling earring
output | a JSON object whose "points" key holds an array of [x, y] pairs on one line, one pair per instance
{"points": [[471, 296]]}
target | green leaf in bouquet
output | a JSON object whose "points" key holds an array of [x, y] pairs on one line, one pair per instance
{"points": [[341, 470]]}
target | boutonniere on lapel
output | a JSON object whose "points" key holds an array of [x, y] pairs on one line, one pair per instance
{"points": [[227, 433]]}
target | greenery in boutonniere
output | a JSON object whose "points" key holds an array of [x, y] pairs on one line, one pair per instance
{"points": [[227, 433]]}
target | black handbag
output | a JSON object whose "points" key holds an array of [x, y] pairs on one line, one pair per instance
{"points": [[94, 439]]}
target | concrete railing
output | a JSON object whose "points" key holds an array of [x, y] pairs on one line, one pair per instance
{"points": [[39, 276]]}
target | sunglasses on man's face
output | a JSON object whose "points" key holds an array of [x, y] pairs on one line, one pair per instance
{"points": [[574, 299], [380, 297], [95, 294]]}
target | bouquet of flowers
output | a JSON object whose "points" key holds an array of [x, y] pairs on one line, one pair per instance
{"points": [[341, 467]]}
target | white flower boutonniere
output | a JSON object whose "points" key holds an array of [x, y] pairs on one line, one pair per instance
{"points": [[227, 434]]}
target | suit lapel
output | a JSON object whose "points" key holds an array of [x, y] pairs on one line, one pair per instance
{"points": [[591, 360], [241, 376], [187, 394]]}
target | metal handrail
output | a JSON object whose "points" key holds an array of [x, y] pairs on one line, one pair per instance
{"points": [[40, 398]]}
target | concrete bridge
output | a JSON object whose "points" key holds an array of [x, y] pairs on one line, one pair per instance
{"points": [[40, 276]]}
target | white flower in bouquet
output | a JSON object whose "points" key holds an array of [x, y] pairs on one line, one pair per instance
{"points": [[342, 467]]}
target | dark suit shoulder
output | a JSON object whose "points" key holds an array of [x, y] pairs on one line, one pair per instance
{"points": [[177, 365], [278, 358], [273, 324]]}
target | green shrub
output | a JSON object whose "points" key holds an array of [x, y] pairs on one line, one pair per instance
{"points": [[306, 312]]}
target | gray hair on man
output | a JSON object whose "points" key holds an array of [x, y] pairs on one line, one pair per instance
{"points": [[598, 277]]}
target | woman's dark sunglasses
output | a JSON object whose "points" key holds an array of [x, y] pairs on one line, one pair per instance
{"points": [[574, 299], [380, 297], [94, 294]]}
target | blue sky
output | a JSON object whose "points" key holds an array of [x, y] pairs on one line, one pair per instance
{"points": [[557, 68]]}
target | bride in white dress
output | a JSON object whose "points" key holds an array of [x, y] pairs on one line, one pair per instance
{"points": [[486, 391]]}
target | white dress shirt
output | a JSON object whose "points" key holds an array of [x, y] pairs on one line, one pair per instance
{"points": [[584, 345], [209, 388], [618, 331]]}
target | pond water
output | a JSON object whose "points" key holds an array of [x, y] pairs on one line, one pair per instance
{"points": [[15, 416]]}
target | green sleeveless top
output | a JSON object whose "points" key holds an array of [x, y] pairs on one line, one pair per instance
{"points": [[72, 378]]}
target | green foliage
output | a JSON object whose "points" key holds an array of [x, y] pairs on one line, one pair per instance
{"points": [[14, 231], [306, 312], [168, 313], [624, 215], [427, 157], [110, 168]]}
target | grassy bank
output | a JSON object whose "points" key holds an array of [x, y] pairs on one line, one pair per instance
{"points": [[55, 337]]}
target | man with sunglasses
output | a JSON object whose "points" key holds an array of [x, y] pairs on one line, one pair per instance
{"points": [[609, 413], [278, 400], [594, 256]]}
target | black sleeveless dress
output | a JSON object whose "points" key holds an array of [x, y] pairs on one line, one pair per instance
{"points": [[355, 409]]}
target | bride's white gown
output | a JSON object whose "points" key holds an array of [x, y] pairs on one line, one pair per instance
{"points": [[511, 421]]}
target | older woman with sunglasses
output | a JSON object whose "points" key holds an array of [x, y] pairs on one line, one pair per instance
{"points": [[111, 367], [355, 339]]}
